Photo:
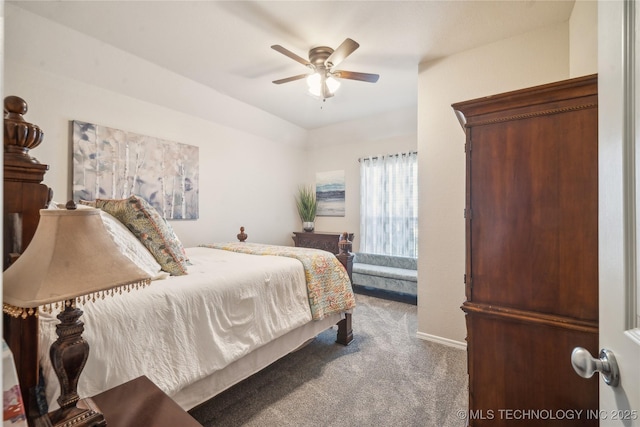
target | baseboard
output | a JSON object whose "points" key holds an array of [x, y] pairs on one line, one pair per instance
{"points": [[441, 340]]}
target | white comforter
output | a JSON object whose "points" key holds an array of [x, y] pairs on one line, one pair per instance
{"points": [[179, 330]]}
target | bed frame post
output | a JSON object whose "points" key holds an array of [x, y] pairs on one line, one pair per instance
{"points": [[24, 196], [345, 331]]}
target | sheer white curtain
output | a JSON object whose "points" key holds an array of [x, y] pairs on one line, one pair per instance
{"points": [[389, 205]]}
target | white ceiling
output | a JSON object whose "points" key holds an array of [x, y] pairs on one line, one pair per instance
{"points": [[226, 44]]}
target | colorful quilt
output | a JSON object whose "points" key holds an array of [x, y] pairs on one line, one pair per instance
{"points": [[328, 284]]}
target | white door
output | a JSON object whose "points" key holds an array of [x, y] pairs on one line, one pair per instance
{"points": [[619, 206]]}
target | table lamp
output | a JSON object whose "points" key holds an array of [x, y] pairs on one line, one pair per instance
{"points": [[71, 259]]}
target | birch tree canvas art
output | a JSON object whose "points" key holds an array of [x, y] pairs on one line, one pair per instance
{"points": [[110, 163]]}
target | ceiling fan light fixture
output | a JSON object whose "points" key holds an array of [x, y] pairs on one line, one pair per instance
{"points": [[333, 84], [322, 60], [316, 81]]}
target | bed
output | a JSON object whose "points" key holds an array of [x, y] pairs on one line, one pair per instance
{"points": [[240, 307]]}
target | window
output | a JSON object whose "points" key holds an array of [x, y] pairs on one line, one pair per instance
{"points": [[389, 205]]}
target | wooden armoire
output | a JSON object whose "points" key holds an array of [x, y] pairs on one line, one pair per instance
{"points": [[531, 275]]}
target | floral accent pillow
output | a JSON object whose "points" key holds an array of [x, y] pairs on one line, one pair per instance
{"points": [[131, 247], [151, 229], [127, 243]]}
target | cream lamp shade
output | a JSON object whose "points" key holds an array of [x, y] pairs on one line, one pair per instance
{"points": [[71, 257]]}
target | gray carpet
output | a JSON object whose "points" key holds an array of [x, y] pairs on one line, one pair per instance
{"points": [[385, 377]]}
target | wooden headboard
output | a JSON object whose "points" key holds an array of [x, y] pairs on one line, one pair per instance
{"points": [[24, 196]]}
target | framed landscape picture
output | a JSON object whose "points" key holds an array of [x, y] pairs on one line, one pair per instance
{"points": [[330, 193]]}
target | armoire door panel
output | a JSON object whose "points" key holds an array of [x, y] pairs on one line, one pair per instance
{"points": [[522, 375], [533, 199]]}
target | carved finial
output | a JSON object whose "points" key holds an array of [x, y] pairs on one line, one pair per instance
{"points": [[15, 107], [242, 236], [20, 136], [344, 244]]}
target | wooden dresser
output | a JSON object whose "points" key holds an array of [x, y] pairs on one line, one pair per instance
{"points": [[327, 241], [531, 252]]}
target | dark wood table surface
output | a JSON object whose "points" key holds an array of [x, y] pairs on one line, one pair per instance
{"points": [[140, 402]]}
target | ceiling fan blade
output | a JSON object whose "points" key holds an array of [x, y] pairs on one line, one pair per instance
{"points": [[290, 79], [291, 55], [352, 75], [345, 49]]}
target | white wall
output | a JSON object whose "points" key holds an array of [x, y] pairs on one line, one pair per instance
{"points": [[531, 59], [583, 36], [247, 177], [339, 147]]}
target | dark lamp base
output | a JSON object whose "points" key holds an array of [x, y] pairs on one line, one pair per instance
{"points": [[84, 414], [69, 353]]}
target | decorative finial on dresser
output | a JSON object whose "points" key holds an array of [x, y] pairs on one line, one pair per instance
{"points": [[242, 236], [344, 243], [20, 136]]}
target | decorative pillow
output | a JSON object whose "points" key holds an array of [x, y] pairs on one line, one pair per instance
{"points": [[131, 247], [91, 203], [127, 243], [151, 229]]}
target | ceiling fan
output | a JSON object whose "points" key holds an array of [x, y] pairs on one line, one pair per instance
{"points": [[323, 60]]}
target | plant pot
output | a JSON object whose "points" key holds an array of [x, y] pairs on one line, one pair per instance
{"points": [[307, 225]]}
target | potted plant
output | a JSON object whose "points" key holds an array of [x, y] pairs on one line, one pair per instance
{"points": [[307, 205]]}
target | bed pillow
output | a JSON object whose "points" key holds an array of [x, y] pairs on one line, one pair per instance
{"points": [[151, 229], [127, 243]]}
